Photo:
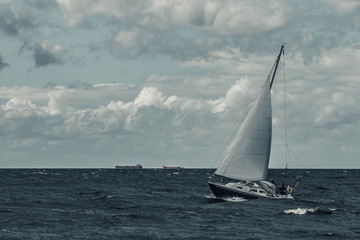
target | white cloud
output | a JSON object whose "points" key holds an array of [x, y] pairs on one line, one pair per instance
{"points": [[75, 12], [230, 17], [151, 116], [57, 102], [334, 110], [19, 104], [235, 95], [344, 7], [240, 17], [218, 17], [127, 43]]}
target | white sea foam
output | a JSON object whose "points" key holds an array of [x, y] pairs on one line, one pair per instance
{"points": [[300, 211], [226, 199], [211, 196], [235, 199]]}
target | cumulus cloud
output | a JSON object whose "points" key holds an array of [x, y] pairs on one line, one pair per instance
{"points": [[234, 96], [58, 102], [335, 110], [21, 119], [165, 125], [231, 18], [133, 122]]}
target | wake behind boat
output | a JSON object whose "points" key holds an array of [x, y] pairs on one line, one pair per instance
{"points": [[244, 167]]}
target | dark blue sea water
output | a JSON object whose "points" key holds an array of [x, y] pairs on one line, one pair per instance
{"points": [[172, 204]]}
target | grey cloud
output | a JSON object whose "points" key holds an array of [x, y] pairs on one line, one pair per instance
{"points": [[43, 5], [7, 27], [212, 26], [43, 57], [186, 30], [2, 63], [46, 54], [9, 24], [137, 42], [16, 19]]}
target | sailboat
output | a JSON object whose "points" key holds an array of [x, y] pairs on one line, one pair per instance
{"points": [[244, 168]]}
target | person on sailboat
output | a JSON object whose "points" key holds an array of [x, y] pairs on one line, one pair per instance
{"points": [[289, 189], [282, 188], [272, 180]]}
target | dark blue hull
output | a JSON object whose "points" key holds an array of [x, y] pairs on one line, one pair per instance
{"points": [[220, 191]]}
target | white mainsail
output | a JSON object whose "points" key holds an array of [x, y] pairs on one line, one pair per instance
{"points": [[247, 158]]}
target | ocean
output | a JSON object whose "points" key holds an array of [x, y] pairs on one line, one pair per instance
{"points": [[172, 204]]}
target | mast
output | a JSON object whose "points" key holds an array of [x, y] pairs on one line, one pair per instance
{"points": [[276, 64]]}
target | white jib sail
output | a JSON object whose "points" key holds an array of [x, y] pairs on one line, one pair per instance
{"points": [[247, 157]]}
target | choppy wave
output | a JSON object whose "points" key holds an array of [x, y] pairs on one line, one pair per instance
{"points": [[302, 211], [226, 199], [161, 204], [235, 199]]}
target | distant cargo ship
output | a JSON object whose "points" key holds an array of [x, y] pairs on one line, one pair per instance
{"points": [[137, 166], [172, 167]]}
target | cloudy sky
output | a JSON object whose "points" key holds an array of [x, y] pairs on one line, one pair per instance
{"points": [[90, 83]]}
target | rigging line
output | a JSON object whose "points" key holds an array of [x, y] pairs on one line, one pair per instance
{"points": [[285, 118], [227, 144], [292, 152]]}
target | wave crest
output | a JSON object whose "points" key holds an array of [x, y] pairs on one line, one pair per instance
{"points": [[302, 211]]}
